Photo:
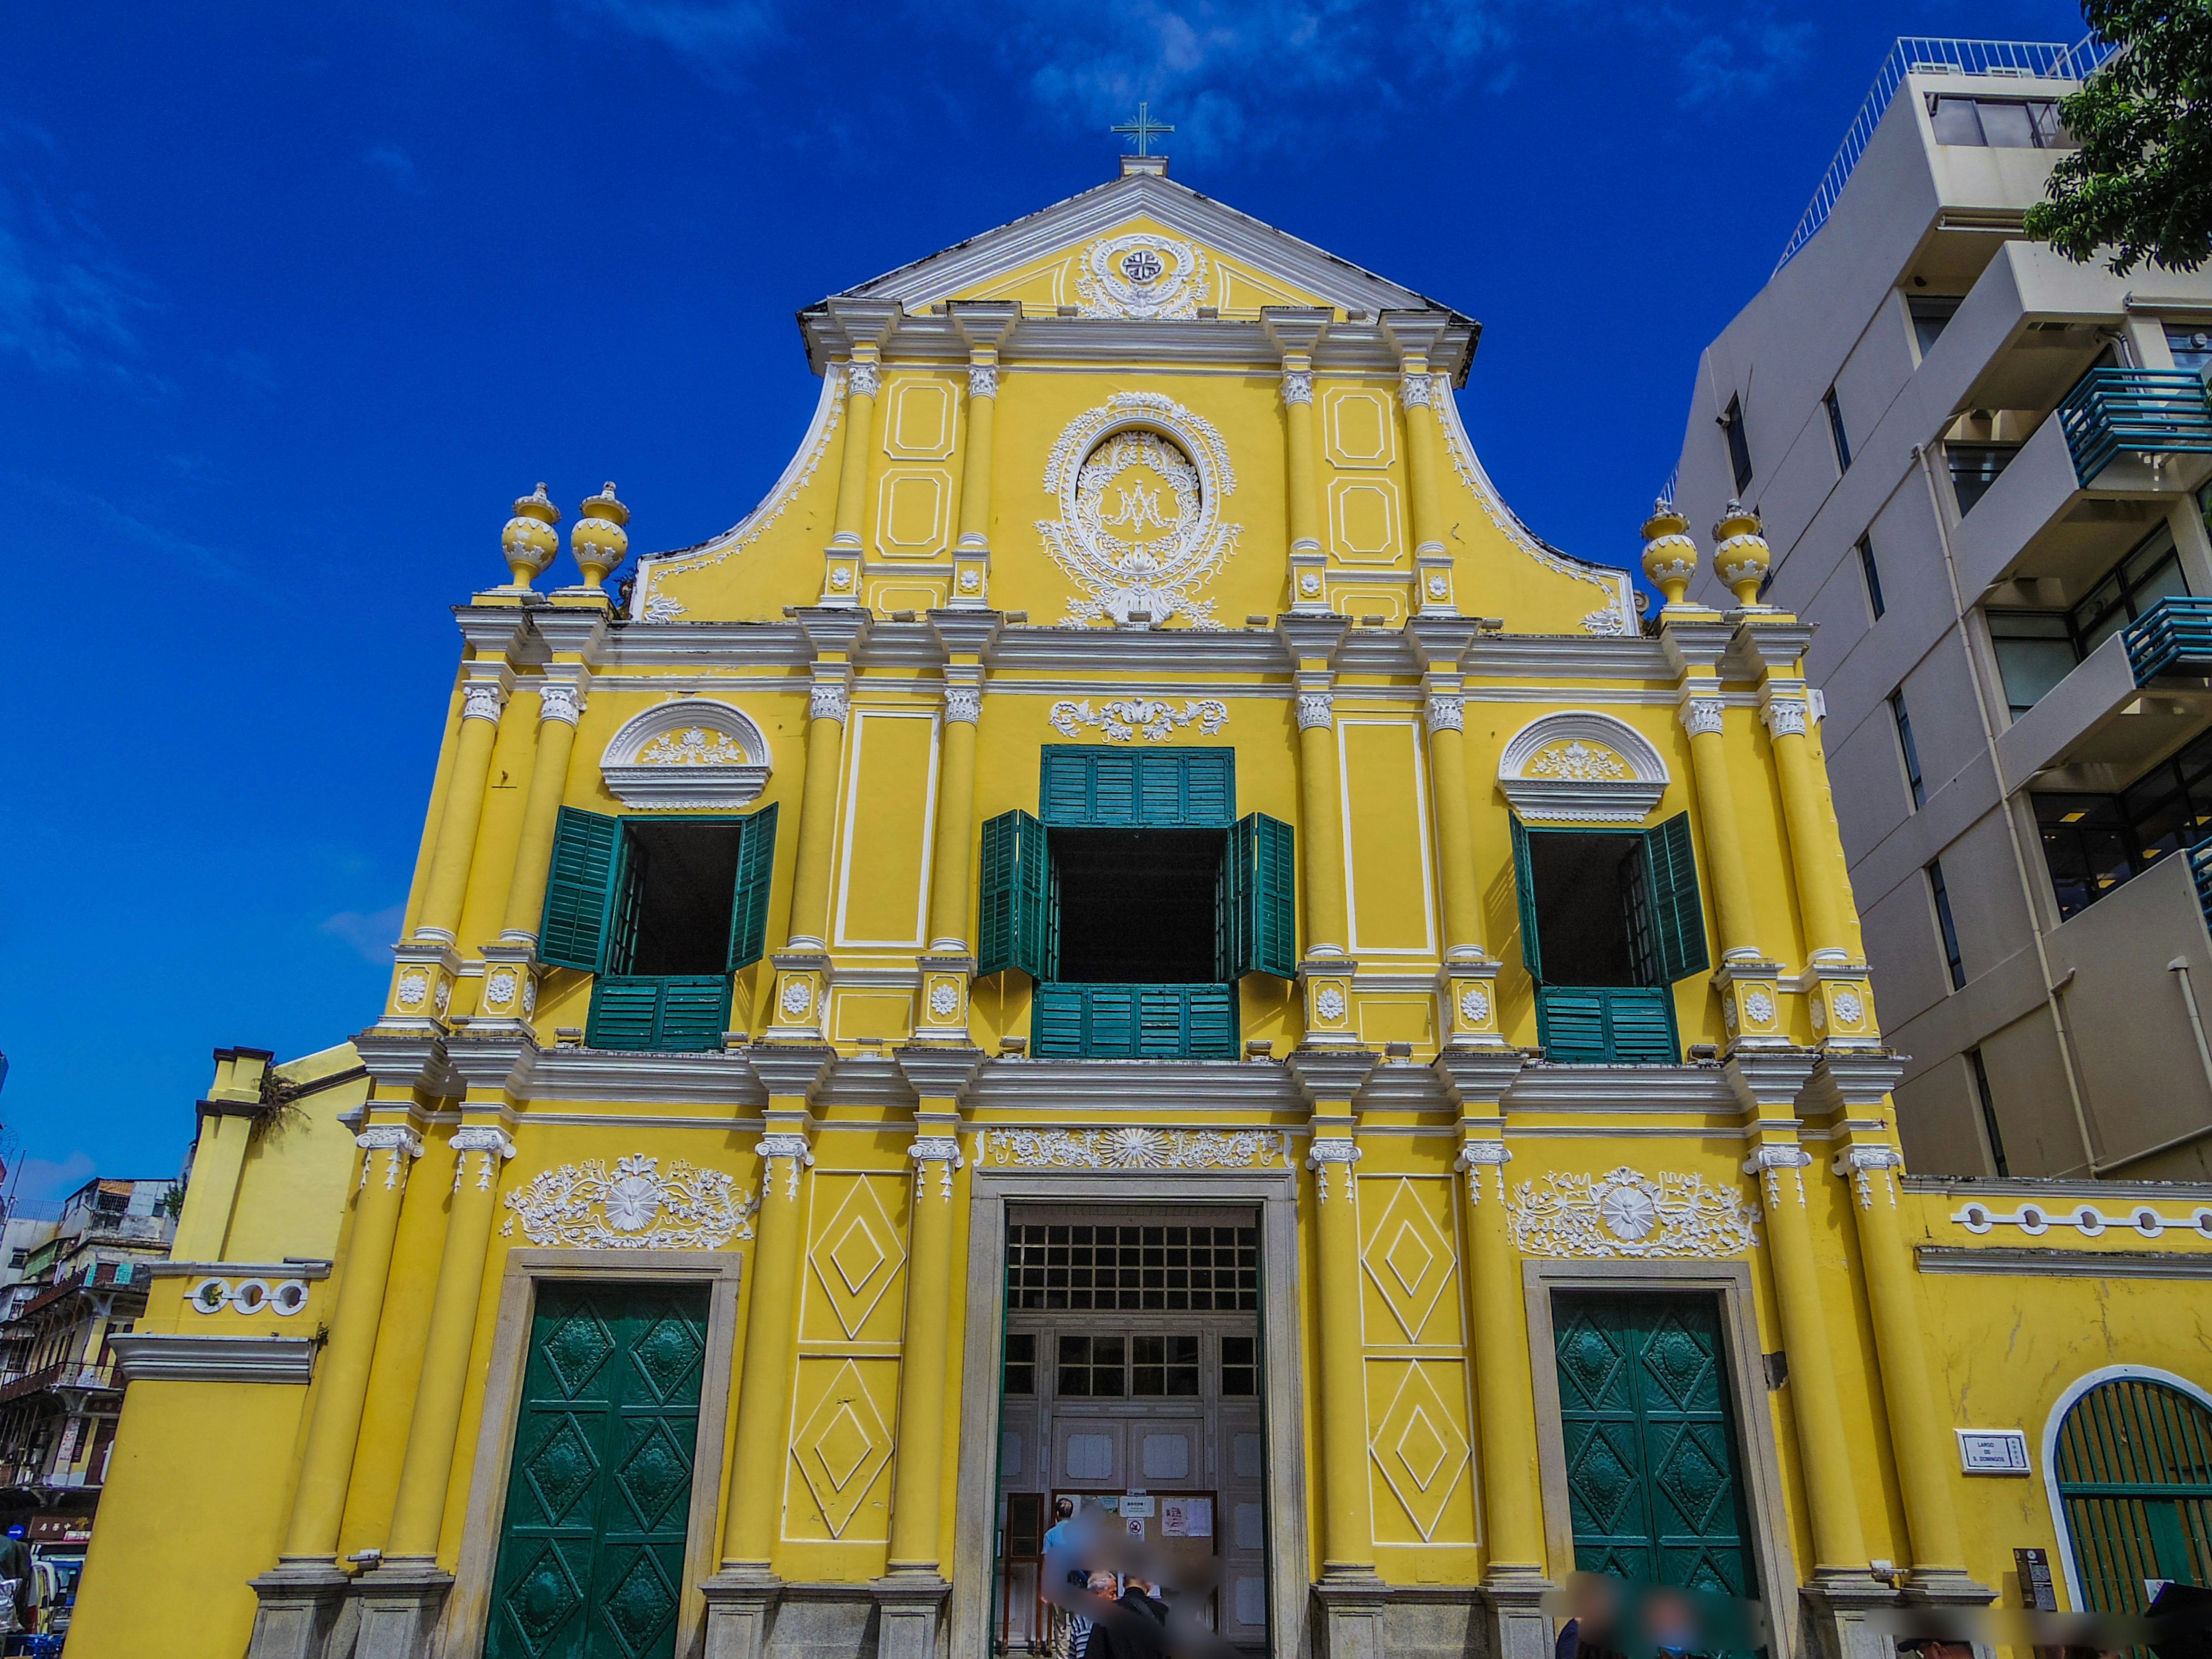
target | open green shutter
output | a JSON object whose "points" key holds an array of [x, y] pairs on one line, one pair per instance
{"points": [[579, 890], [1678, 913], [1524, 890], [1015, 921], [1260, 878], [749, 904]]}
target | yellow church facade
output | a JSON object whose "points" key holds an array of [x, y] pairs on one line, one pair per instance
{"points": [[1131, 934]]}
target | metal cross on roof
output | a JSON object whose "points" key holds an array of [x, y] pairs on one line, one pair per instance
{"points": [[1144, 128]]}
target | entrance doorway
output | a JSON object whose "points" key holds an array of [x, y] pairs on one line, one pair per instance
{"points": [[2134, 1474], [1132, 1386]]}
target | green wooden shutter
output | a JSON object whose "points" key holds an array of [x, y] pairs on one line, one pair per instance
{"points": [[694, 1011], [1056, 1021], [1110, 1021], [1260, 878], [1678, 911], [1122, 788], [1213, 1027], [748, 905], [1015, 924], [1640, 1022], [1571, 1025], [579, 890], [1209, 785], [1524, 890], [631, 865], [625, 1013]]}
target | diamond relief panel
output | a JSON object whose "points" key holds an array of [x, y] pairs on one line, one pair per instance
{"points": [[856, 1259], [842, 1448], [1408, 1253], [1420, 1451]]}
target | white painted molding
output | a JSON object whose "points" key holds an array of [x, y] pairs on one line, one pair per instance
{"points": [[1578, 785], [688, 754], [149, 1358]]}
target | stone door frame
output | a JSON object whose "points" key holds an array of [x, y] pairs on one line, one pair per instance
{"points": [[1730, 1282], [1275, 1193], [468, 1609]]}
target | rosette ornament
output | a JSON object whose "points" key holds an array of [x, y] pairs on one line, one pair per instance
{"points": [[528, 540], [599, 541], [1740, 555], [1670, 557]]}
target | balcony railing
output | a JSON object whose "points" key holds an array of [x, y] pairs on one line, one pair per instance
{"points": [[2200, 868], [69, 1375], [1134, 1021], [2174, 636], [2150, 412]]}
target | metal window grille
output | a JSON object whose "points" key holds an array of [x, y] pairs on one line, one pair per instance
{"points": [[2135, 1476], [1165, 1269]]}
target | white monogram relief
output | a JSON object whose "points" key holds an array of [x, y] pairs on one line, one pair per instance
{"points": [[983, 381], [1315, 709], [633, 1207], [1625, 1213], [941, 1150], [1140, 276], [1139, 480], [1138, 1149], [1121, 719], [693, 747], [1577, 763], [1447, 714]]}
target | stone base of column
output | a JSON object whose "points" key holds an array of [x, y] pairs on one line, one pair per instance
{"points": [[1836, 1606], [1948, 1587], [300, 1600], [1351, 1603], [740, 1607], [909, 1614], [1519, 1627], [399, 1604]]}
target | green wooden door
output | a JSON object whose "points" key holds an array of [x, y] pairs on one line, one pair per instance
{"points": [[1654, 1476], [591, 1559], [2134, 1474]]}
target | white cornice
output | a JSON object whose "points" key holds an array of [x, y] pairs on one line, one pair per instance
{"points": [[146, 1357]]}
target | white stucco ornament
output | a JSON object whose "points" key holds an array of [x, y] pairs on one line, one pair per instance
{"points": [[687, 753], [1140, 275], [1124, 719], [1328, 1003], [1850, 1010], [798, 997], [1474, 1004], [1758, 1005], [413, 989], [1626, 1214], [1138, 1149], [1140, 481], [944, 997], [499, 988], [634, 1207]]}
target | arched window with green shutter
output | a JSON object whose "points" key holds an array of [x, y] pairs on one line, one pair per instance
{"points": [[2133, 1467]]}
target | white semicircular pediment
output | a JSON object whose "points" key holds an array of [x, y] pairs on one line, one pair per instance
{"points": [[1581, 767], [688, 754]]}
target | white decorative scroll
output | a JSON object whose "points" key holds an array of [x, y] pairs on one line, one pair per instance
{"points": [[1315, 709], [1322, 1154], [1121, 719], [1140, 552], [403, 1146], [860, 380], [481, 700], [983, 381], [1770, 1161], [1141, 275], [686, 752], [635, 1207], [493, 1144], [1862, 1163], [1625, 1213], [941, 1150], [1474, 1156], [1138, 1149]]}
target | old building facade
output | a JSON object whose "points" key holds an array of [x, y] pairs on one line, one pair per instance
{"points": [[1130, 934]]}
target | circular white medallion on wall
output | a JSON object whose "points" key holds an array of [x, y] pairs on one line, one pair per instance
{"points": [[1140, 275]]}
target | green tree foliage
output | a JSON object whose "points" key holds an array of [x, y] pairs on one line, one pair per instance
{"points": [[2142, 181]]}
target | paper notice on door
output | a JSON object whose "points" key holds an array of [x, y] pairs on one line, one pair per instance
{"points": [[1186, 1517], [1135, 1524], [1136, 1505]]}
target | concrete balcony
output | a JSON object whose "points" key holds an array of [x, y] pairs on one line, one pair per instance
{"points": [[2023, 336], [2126, 705], [2139, 428]]}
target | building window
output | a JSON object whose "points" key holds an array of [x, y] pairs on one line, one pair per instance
{"points": [[1739, 444], [1835, 430], [1906, 748], [2191, 346], [1974, 468], [2000, 122], [1163, 1365], [2093, 843], [1092, 1368], [1021, 1363], [1929, 313], [1989, 1112], [1240, 1364], [1948, 928], [1159, 1269], [2036, 649], [1873, 575], [1609, 921]]}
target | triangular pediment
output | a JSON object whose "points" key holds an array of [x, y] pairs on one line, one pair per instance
{"points": [[1067, 254]]}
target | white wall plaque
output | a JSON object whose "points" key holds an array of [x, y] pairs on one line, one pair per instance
{"points": [[1992, 1451]]}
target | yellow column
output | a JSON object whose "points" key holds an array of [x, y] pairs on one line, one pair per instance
{"points": [[1421, 459], [1447, 716], [560, 705], [418, 1513], [1701, 717], [955, 810], [1922, 1450], [918, 1471], [483, 693], [342, 1375], [841, 581], [756, 1486], [1347, 1511], [1302, 491], [1823, 880], [818, 808], [975, 466], [1320, 831], [1504, 1400], [1831, 1496]]}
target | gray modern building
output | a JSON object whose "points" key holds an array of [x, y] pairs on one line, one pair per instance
{"points": [[1983, 471]]}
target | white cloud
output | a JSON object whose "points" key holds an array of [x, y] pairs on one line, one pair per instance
{"points": [[44, 1177], [67, 303], [370, 935]]}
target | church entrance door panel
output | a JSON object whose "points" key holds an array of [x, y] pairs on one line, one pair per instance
{"points": [[591, 1555], [1653, 1459], [2134, 1476], [1132, 1386]]}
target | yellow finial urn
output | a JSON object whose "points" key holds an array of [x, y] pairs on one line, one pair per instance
{"points": [[1670, 557], [599, 541], [1740, 555], [528, 540]]}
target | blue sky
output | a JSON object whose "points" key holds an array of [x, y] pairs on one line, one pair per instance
{"points": [[296, 300]]}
